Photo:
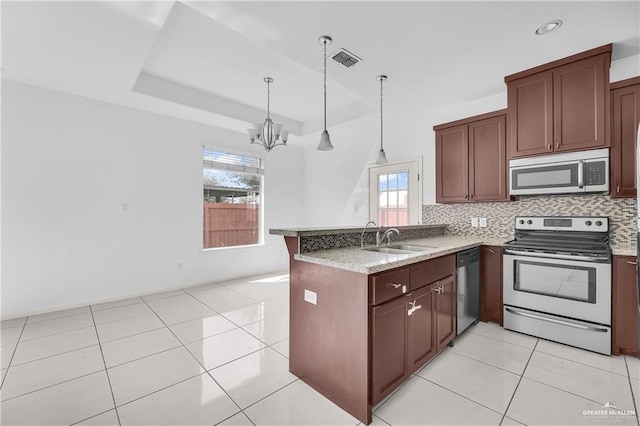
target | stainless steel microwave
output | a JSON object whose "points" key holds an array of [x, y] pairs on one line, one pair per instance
{"points": [[583, 171]]}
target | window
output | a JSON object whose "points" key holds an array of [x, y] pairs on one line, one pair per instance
{"points": [[232, 196], [395, 194]]}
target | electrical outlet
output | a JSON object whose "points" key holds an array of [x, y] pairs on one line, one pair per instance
{"points": [[483, 222], [474, 222]]}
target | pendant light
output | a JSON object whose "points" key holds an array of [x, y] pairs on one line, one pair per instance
{"points": [[269, 134], [382, 158], [325, 142]]}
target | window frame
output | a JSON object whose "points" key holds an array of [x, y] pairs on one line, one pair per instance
{"points": [[261, 196], [415, 178]]}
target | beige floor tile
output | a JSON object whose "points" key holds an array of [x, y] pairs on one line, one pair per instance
{"points": [[259, 311], [138, 346], [110, 418], [128, 327], [490, 386], [51, 371], [197, 401], [141, 377], [615, 364], [120, 313], [32, 350], [282, 347], [172, 302], [201, 328], [252, 377], [56, 326], [580, 379], [116, 304], [494, 352], [271, 330], [225, 347], [162, 295], [298, 404], [535, 403], [63, 404], [228, 303], [184, 313], [58, 314], [420, 402], [493, 330]]}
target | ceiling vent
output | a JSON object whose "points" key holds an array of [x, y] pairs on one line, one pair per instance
{"points": [[346, 58]]}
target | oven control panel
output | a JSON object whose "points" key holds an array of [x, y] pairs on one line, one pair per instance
{"points": [[563, 223]]}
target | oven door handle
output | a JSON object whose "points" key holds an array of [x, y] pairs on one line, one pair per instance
{"points": [[556, 321], [558, 256]]}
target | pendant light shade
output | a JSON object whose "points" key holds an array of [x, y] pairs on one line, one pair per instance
{"points": [[325, 141], [382, 158]]}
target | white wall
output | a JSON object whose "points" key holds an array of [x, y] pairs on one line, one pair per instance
{"points": [[338, 179], [68, 166]]}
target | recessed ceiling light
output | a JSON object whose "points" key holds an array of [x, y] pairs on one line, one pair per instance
{"points": [[549, 27]]}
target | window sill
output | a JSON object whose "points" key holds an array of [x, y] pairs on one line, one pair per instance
{"points": [[231, 247]]}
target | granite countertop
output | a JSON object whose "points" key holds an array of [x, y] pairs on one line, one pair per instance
{"points": [[311, 232], [624, 249], [369, 262]]}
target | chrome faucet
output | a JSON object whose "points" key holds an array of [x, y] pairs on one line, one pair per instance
{"points": [[364, 230], [386, 234]]}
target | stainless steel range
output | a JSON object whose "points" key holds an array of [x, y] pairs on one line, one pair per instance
{"points": [[557, 280]]}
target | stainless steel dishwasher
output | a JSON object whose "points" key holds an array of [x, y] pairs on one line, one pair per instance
{"points": [[468, 288]]}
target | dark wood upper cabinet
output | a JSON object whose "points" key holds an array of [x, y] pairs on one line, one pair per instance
{"points": [[487, 159], [530, 101], [625, 306], [452, 159], [561, 106], [491, 284], [625, 107], [471, 160], [580, 98]]}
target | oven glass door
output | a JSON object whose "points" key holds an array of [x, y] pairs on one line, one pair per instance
{"points": [[569, 282], [545, 177], [574, 289]]}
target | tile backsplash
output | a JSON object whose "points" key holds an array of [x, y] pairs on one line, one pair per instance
{"points": [[500, 216]]}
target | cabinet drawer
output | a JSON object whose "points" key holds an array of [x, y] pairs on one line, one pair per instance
{"points": [[389, 285], [426, 272]]}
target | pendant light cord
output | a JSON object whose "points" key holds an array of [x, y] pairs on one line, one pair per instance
{"points": [[325, 84], [381, 80], [268, 99]]}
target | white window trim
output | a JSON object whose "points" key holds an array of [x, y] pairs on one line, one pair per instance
{"points": [[261, 226], [398, 163]]}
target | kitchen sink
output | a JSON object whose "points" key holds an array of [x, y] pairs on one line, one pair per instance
{"points": [[387, 250], [399, 248], [410, 247]]}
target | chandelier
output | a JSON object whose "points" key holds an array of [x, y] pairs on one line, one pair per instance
{"points": [[268, 133]]}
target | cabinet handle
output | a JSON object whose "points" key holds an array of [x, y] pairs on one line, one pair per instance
{"points": [[437, 290], [557, 145], [549, 146], [491, 251], [618, 189], [395, 285], [631, 262]]}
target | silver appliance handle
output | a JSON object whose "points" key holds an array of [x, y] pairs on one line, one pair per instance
{"points": [[556, 321], [581, 174], [557, 256]]}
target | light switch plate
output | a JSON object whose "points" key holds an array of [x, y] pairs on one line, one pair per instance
{"points": [[311, 297], [483, 222], [474, 222]]}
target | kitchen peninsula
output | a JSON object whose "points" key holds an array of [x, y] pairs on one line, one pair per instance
{"points": [[362, 320]]}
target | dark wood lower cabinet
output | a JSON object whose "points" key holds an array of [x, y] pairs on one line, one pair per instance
{"points": [[445, 312], [421, 342], [389, 356], [491, 284], [625, 306]]}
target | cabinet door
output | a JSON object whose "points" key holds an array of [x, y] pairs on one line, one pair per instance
{"points": [[626, 116], [580, 94], [452, 164], [491, 284], [488, 160], [625, 305], [445, 312], [530, 104], [389, 347], [421, 339]]}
